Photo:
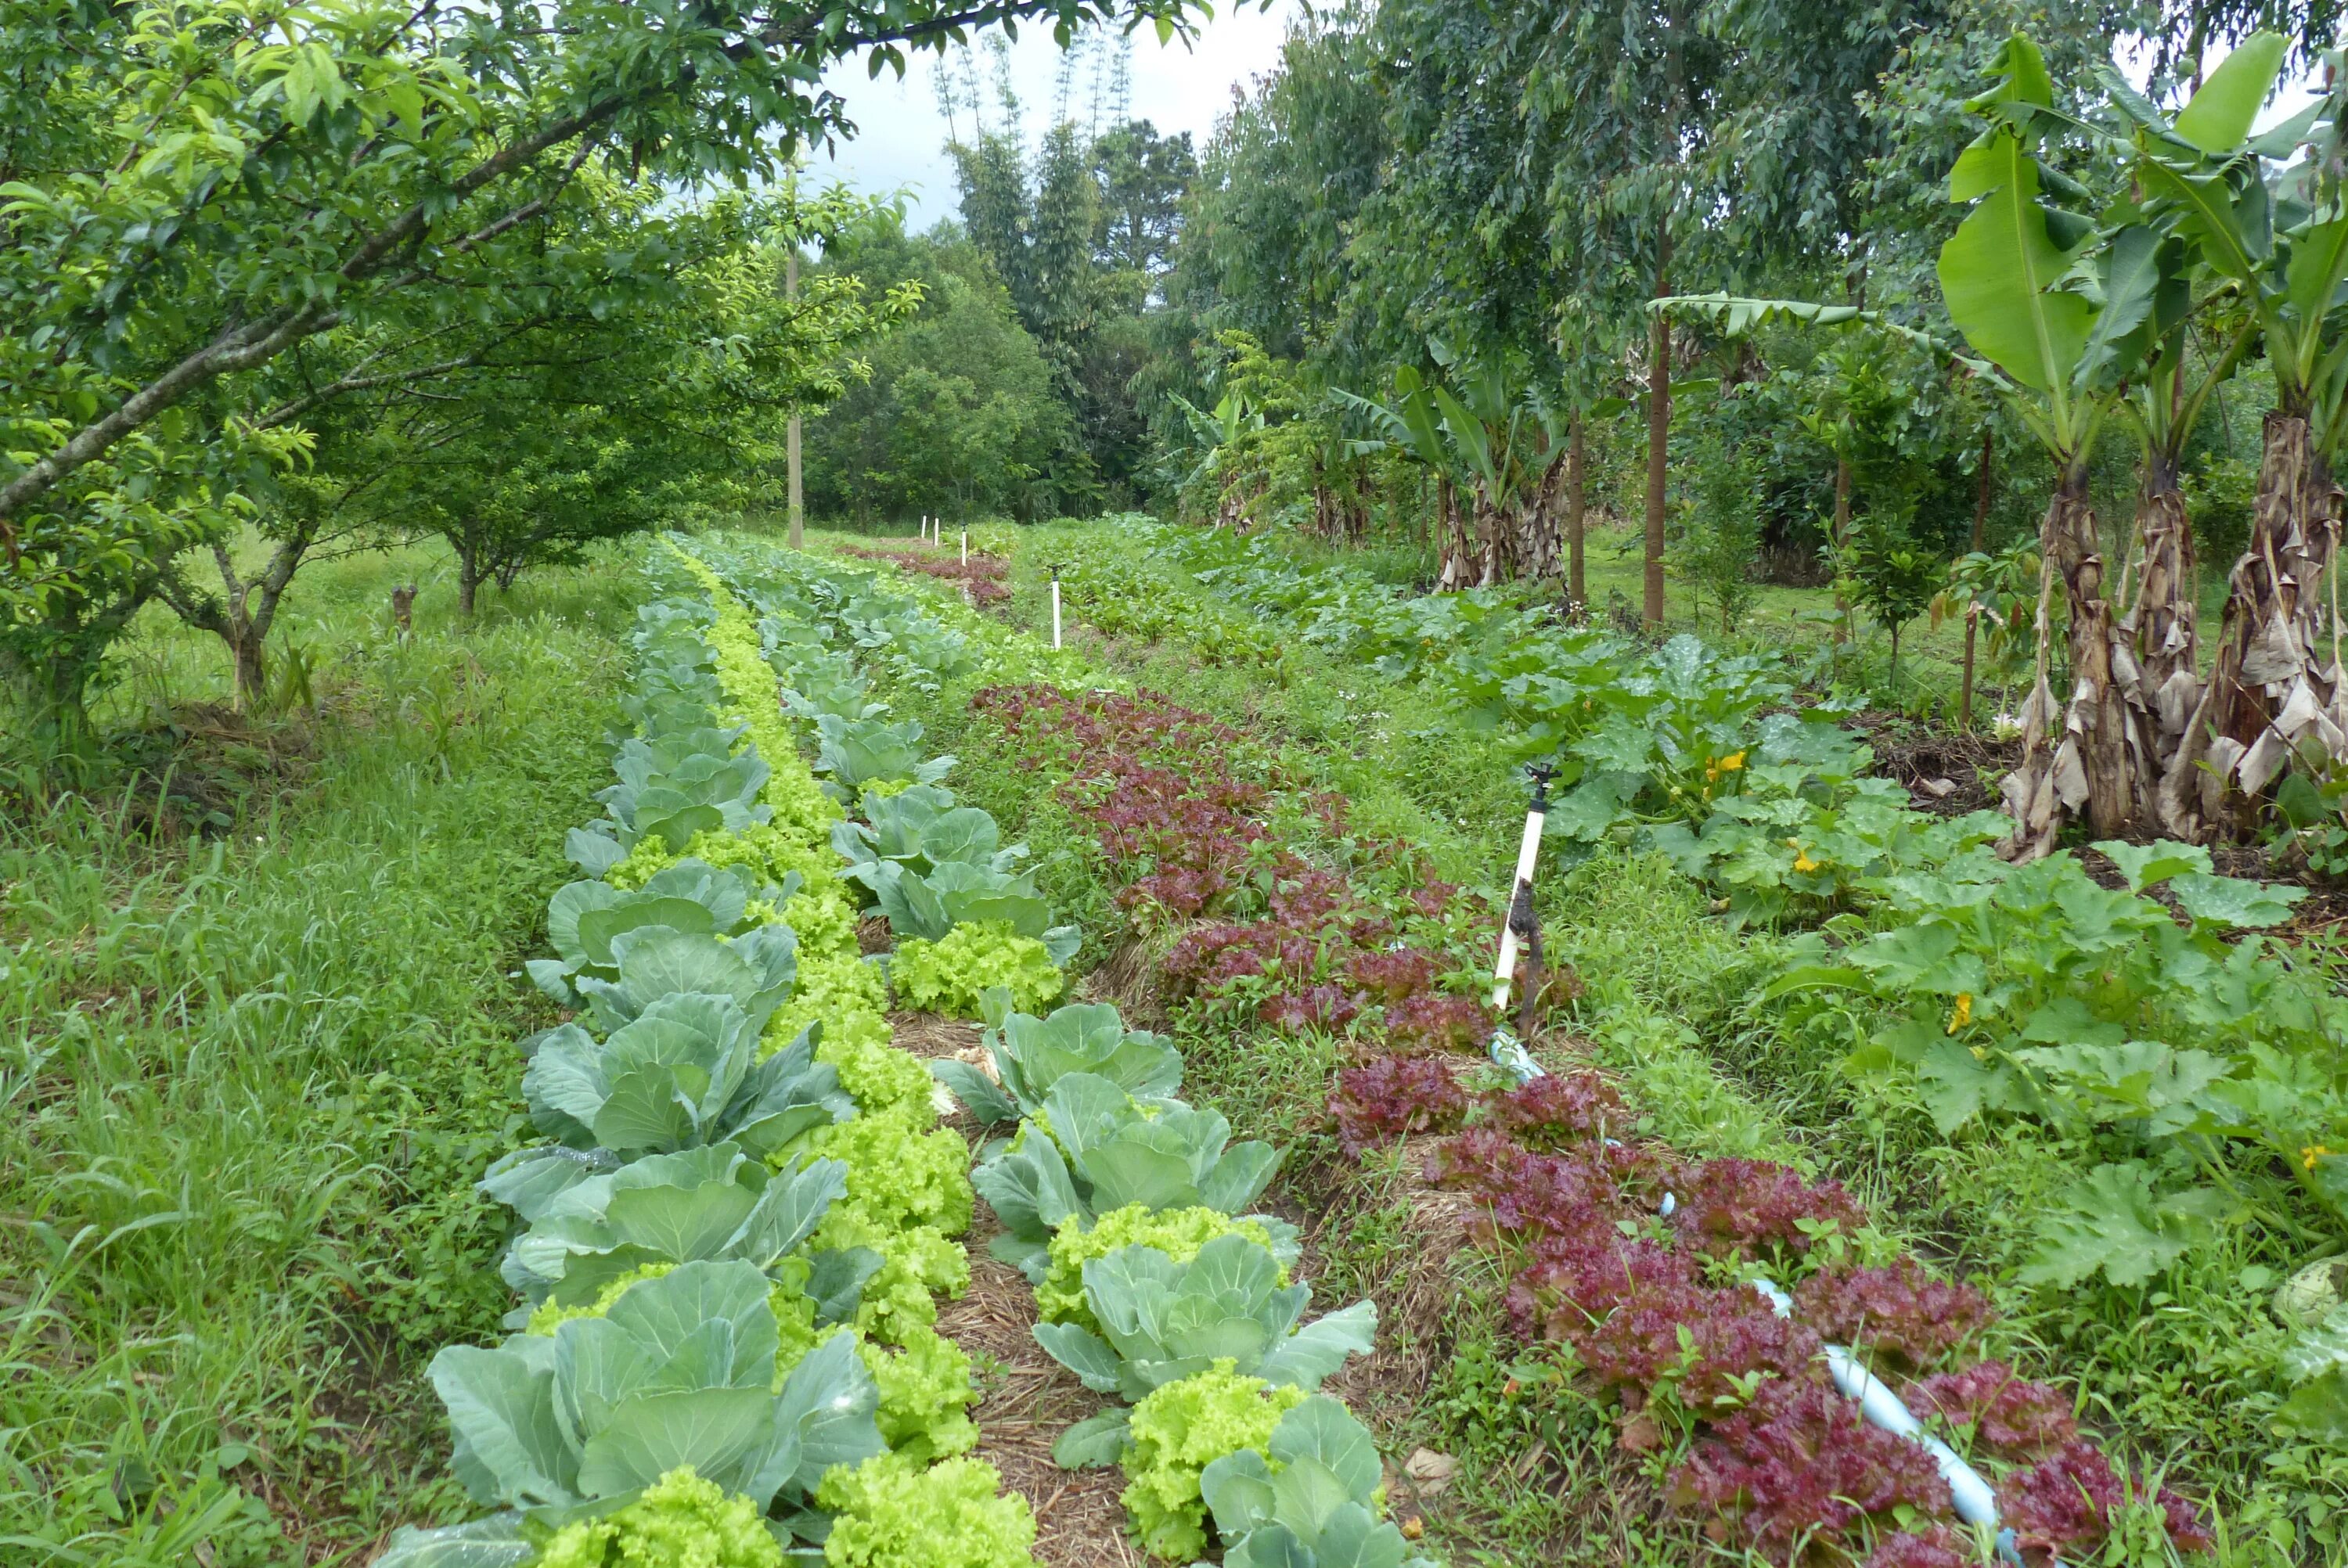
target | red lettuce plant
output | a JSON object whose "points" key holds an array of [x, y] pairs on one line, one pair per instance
{"points": [[1907, 1319], [1437, 1023], [1392, 977], [1743, 1208], [1802, 1462], [1571, 1283], [1702, 1341], [1392, 1098], [1555, 1109], [2006, 1415], [2063, 1504], [1322, 1007]]}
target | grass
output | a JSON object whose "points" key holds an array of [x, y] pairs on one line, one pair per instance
{"points": [[249, 1073]]}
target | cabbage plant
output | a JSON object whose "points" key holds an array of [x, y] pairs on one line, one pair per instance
{"points": [[957, 893], [1032, 1054], [582, 919], [674, 786], [697, 1205], [1104, 1150], [681, 1070], [918, 829], [1162, 1320], [679, 1372], [858, 751], [1311, 1504]]}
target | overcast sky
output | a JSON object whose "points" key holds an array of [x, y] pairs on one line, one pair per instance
{"points": [[901, 133]]}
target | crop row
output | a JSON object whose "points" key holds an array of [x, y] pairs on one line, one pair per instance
{"points": [[1644, 1262], [729, 1245], [1127, 1211]]}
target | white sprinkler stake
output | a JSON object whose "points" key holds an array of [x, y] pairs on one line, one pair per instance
{"points": [[1527, 856], [1055, 608], [965, 547]]}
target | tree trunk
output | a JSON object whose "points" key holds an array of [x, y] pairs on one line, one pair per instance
{"points": [[468, 578], [2101, 759], [1538, 525], [1577, 591], [1456, 552], [1841, 541], [796, 522], [2159, 631], [1659, 436], [1981, 542], [2276, 683]]}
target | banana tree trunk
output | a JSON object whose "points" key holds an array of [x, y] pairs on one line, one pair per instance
{"points": [[2275, 687], [2161, 628], [1456, 564], [2096, 762], [1540, 522]]}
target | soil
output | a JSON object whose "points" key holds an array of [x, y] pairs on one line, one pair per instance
{"points": [[1945, 771]]}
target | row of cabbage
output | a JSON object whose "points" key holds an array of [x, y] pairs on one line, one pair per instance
{"points": [[1128, 1210], [731, 1238], [2187, 1066]]}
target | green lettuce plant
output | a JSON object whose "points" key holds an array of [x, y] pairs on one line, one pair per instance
{"points": [[892, 1513], [679, 1373], [1162, 1320], [1176, 1431], [1095, 1148], [692, 896], [1031, 1054], [953, 974]]}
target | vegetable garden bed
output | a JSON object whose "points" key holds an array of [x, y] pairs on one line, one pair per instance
{"points": [[1613, 1020]]}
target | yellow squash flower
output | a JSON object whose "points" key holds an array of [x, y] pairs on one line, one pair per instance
{"points": [[1963, 1014]]}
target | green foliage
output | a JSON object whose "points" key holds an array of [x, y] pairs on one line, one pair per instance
{"points": [[1888, 577], [1093, 1148], [680, 1517], [1031, 1054], [1176, 1233], [1719, 537], [691, 895], [2183, 1059], [1308, 1497], [951, 974], [1176, 1434], [889, 1513], [1161, 1321], [962, 409]]}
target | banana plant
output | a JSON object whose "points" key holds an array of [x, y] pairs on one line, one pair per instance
{"points": [[2065, 311], [2279, 248], [1479, 429]]}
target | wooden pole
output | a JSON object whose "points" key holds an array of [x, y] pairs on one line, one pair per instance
{"points": [[791, 442]]}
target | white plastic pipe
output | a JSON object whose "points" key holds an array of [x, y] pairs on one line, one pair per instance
{"points": [[1504, 973], [1055, 607]]}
